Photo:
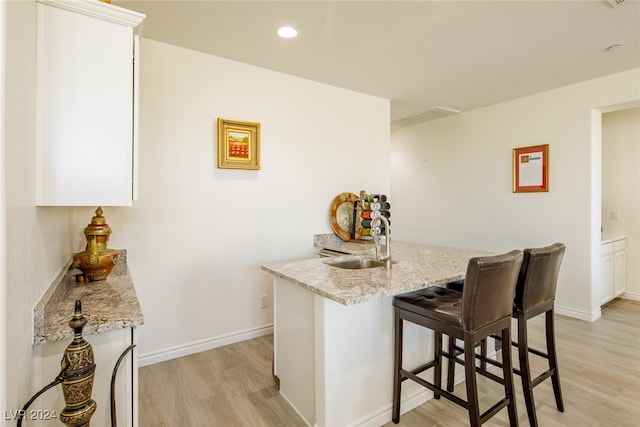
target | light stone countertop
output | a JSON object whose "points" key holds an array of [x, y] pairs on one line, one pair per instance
{"points": [[415, 266], [608, 239], [334, 243], [108, 305]]}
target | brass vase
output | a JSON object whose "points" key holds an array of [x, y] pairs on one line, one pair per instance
{"points": [[94, 264], [96, 261]]}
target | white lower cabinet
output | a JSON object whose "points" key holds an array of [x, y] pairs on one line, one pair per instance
{"points": [[612, 269], [107, 348]]}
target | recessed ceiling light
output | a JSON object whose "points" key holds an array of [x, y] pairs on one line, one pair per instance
{"points": [[287, 32]]}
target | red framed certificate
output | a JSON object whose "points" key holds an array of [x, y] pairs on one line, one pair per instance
{"points": [[531, 168]]}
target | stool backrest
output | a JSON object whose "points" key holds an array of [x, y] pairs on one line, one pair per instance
{"points": [[538, 276], [489, 289]]}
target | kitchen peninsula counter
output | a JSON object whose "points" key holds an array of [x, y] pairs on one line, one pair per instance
{"points": [[414, 266], [333, 329]]}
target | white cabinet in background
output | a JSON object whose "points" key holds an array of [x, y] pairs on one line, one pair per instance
{"points": [[613, 266], [619, 267], [86, 103]]}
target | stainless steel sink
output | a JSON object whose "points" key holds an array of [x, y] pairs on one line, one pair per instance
{"points": [[355, 263]]}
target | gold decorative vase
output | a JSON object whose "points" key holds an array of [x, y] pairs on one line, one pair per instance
{"points": [[95, 265], [96, 261]]}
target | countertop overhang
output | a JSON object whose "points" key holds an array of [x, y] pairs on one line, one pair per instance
{"points": [[416, 266], [611, 238], [108, 305]]}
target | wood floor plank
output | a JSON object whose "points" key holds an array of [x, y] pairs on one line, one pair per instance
{"points": [[232, 386]]}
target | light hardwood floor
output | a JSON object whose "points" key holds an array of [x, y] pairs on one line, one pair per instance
{"points": [[232, 386]]}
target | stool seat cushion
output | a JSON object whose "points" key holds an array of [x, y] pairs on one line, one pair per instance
{"points": [[434, 302]]}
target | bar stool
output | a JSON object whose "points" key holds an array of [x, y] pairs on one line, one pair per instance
{"points": [[483, 308], [535, 294]]}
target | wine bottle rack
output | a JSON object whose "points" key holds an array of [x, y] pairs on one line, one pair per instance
{"points": [[365, 209]]}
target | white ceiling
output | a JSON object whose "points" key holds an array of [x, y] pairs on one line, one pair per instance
{"points": [[458, 55]]}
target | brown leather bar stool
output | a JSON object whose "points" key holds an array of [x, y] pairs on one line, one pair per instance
{"points": [[535, 294], [483, 308]]}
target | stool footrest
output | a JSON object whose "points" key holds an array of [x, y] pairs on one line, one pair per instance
{"points": [[495, 409], [423, 368], [411, 375], [530, 349], [534, 382], [479, 370], [434, 388], [543, 376]]}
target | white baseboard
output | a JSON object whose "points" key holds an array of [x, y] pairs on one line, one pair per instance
{"points": [[296, 410], [580, 315], [150, 358], [634, 296], [596, 314], [414, 400], [383, 416]]}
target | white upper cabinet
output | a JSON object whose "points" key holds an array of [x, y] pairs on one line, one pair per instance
{"points": [[86, 103]]}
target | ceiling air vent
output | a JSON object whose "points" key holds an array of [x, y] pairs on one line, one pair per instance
{"points": [[431, 114], [617, 3]]}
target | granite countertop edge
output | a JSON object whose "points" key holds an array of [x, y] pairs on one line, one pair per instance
{"points": [[416, 266], [609, 239], [108, 305]]}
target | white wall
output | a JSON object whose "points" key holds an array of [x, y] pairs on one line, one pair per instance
{"points": [[37, 239], [198, 234], [3, 229], [452, 180], [621, 187]]}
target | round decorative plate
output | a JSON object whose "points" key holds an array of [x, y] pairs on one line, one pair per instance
{"points": [[341, 215]]}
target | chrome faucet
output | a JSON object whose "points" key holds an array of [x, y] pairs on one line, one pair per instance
{"points": [[387, 244]]}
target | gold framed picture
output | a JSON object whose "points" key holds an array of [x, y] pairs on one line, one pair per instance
{"points": [[238, 144]]}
